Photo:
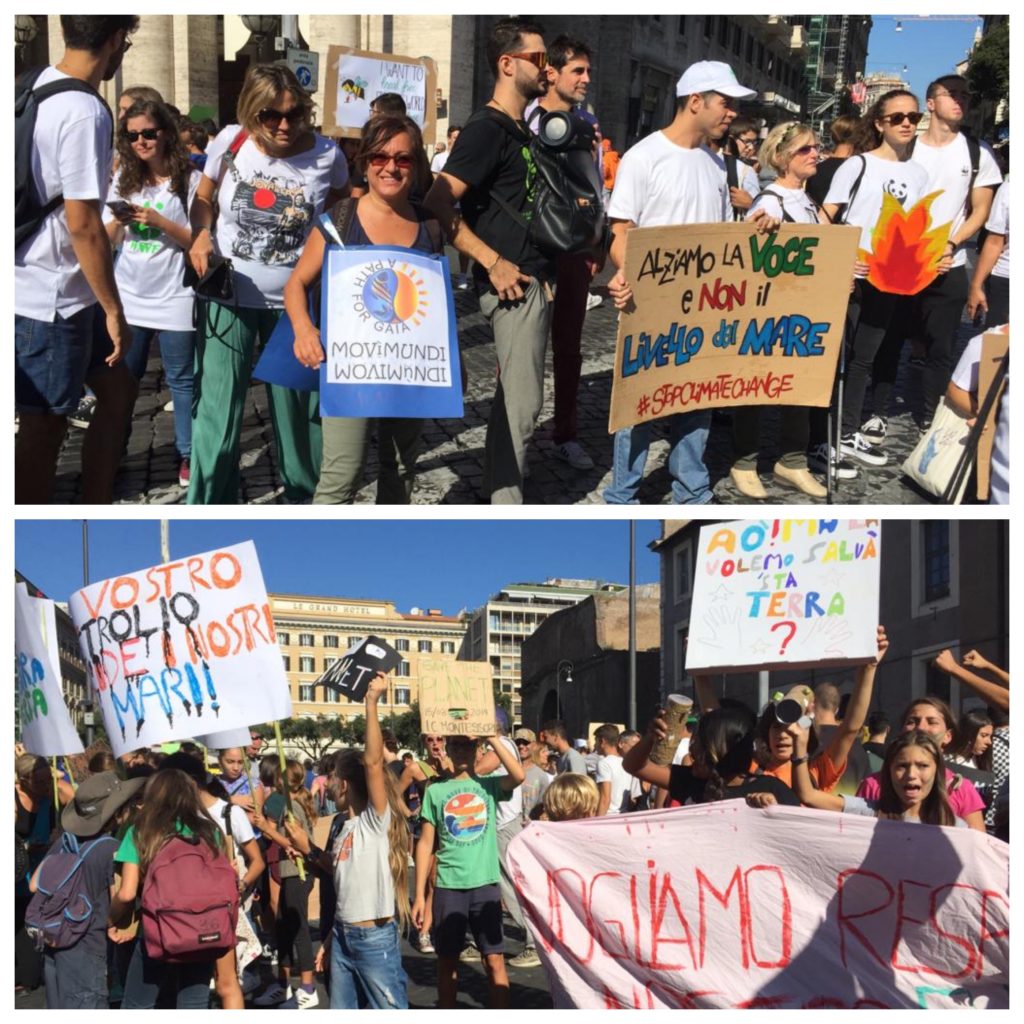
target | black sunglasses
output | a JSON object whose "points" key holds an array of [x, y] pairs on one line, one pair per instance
{"points": [[271, 118], [149, 134], [402, 161], [913, 116]]}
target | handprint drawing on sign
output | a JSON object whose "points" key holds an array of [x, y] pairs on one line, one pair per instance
{"points": [[722, 627], [830, 632]]}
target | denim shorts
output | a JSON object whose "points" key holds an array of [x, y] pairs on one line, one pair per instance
{"points": [[54, 360], [479, 909], [366, 968]]}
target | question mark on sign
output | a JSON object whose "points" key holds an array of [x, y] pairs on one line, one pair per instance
{"points": [[792, 633]]}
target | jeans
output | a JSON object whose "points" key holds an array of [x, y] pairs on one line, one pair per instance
{"points": [[75, 978], [153, 984], [177, 350], [366, 968], [688, 436]]}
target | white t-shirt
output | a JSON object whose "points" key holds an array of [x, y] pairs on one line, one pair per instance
{"points": [[659, 183], [998, 223], [267, 208], [949, 171], [609, 769], [965, 377], [241, 827], [904, 180], [681, 751], [151, 266], [71, 157], [512, 808], [795, 201], [440, 159], [362, 874]]}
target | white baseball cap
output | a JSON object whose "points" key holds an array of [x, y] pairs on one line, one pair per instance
{"points": [[712, 76]]}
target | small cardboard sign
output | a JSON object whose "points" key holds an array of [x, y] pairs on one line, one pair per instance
{"points": [[355, 78], [456, 698], [993, 347], [723, 316], [352, 673]]}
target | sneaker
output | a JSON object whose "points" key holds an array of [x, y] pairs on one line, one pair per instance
{"points": [[470, 955], [858, 448], [169, 407], [277, 993], [423, 943], [573, 453], [528, 958], [306, 1000], [842, 469], [593, 300], [875, 429], [184, 473], [462, 282], [269, 954], [82, 416]]}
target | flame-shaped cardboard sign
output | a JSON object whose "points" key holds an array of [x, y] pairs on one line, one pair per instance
{"points": [[906, 248]]}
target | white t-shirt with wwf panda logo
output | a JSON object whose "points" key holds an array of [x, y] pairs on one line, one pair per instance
{"points": [[268, 206], [904, 180]]}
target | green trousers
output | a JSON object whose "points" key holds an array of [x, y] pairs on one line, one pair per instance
{"points": [[345, 443], [226, 340]]}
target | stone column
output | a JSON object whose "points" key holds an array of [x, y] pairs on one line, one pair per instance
{"points": [[196, 62]]}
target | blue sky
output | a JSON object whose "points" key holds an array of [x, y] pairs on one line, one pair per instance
{"points": [[448, 564], [928, 48]]}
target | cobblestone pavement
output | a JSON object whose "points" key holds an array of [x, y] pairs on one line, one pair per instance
{"points": [[450, 468]]}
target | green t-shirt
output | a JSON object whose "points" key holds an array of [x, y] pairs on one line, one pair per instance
{"points": [[127, 852], [463, 813]]}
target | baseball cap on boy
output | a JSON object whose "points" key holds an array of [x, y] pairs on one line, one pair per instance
{"points": [[712, 76]]}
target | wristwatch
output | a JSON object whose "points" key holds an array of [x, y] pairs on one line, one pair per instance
{"points": [[799, 760]]}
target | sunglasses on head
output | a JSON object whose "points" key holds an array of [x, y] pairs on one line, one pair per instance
{"points": [[913, 116], [149, 134], [538, 58], [403, 161], [272, 119]]}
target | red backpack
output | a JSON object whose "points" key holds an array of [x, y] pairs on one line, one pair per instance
{"points": [[189, 903]]}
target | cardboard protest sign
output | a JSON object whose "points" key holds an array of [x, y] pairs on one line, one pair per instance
{"points": [[46, 726], [355, 78], [456, 698], [785, 593], [630, 912], [994, 346], [389, 335], [182, 648], [723, 316], [353, 672]]}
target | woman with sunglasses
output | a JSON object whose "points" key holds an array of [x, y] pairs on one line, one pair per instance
{"points": [[883, 168], [792, 151], [271, 177], [392, 157], [152, 191]]}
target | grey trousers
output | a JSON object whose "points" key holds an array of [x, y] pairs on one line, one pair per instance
{"points": [[508, 891], [345, 442], [520, 340]]}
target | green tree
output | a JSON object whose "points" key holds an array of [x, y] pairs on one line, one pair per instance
{"points": [[989, 70], [312, 737]]}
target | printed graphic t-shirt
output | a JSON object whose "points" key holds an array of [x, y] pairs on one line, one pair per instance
{"points": [[463, 812], [151, 266], [492, 155], [362, 874], [267, 208]]}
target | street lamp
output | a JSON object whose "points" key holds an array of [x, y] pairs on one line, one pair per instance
{"points": [[558, 684], [25, 30], [262, 27]]}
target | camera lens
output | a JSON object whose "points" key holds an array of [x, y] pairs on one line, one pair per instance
{"points": [[788, 711], [556, 128]]}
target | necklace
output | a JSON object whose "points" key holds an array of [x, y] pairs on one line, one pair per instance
{"points": [[504, 111]]}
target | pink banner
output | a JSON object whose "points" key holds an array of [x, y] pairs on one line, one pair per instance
{"points": [[722, 905]]}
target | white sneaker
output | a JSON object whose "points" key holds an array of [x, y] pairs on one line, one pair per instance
{"points": [[169, 407], [306, 1000], [277, 993], [424, 944], [875, 429], [842, 469], [857, 447], [573, 453], [594, 300], [528, 958]]}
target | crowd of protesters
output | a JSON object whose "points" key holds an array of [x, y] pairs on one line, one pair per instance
{"points": [[118, 861], [180, 201]]}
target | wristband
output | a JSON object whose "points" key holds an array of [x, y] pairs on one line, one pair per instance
{"points": [[490, 269], [799, 760]]}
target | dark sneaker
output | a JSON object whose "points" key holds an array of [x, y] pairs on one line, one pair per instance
{"points": [[842, 469], [875, 429], [82, 416], [856, 447]]}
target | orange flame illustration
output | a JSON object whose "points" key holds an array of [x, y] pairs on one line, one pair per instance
{"points": [[907, 249]]}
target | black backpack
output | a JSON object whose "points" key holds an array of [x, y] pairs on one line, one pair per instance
{"points": [[568, 208], [29, 214]]}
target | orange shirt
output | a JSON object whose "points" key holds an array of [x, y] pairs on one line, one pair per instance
{"points": [[610, 162], [822, 771]]}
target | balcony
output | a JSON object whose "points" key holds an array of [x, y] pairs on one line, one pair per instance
{"points": [[777, 27]]}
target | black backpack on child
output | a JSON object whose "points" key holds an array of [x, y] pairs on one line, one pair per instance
{"points": [[568, 208], [29, 213]]}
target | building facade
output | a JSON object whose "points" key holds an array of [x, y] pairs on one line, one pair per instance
{"points": [[944, 584], [834, 58], [878, 83], [496, 631], [313, 632]]}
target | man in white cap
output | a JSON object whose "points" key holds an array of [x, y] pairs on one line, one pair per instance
{"points": [[671, 177]]}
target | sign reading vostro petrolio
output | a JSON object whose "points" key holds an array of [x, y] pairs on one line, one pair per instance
{"points": [[389, 335], [724, 316]]}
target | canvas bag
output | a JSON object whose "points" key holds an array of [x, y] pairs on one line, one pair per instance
{"points": [[247, 943], [189, 903], [932, 464]]}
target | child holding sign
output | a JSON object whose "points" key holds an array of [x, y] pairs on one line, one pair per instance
{"points": [[460, 815]]}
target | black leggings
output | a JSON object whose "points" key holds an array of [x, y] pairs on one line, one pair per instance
{"points": [[871, 356], [939, 310], [997, 292], [294, 948]]}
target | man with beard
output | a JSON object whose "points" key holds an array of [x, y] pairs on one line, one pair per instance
{"points": [[513, 278], [69, 324]]}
